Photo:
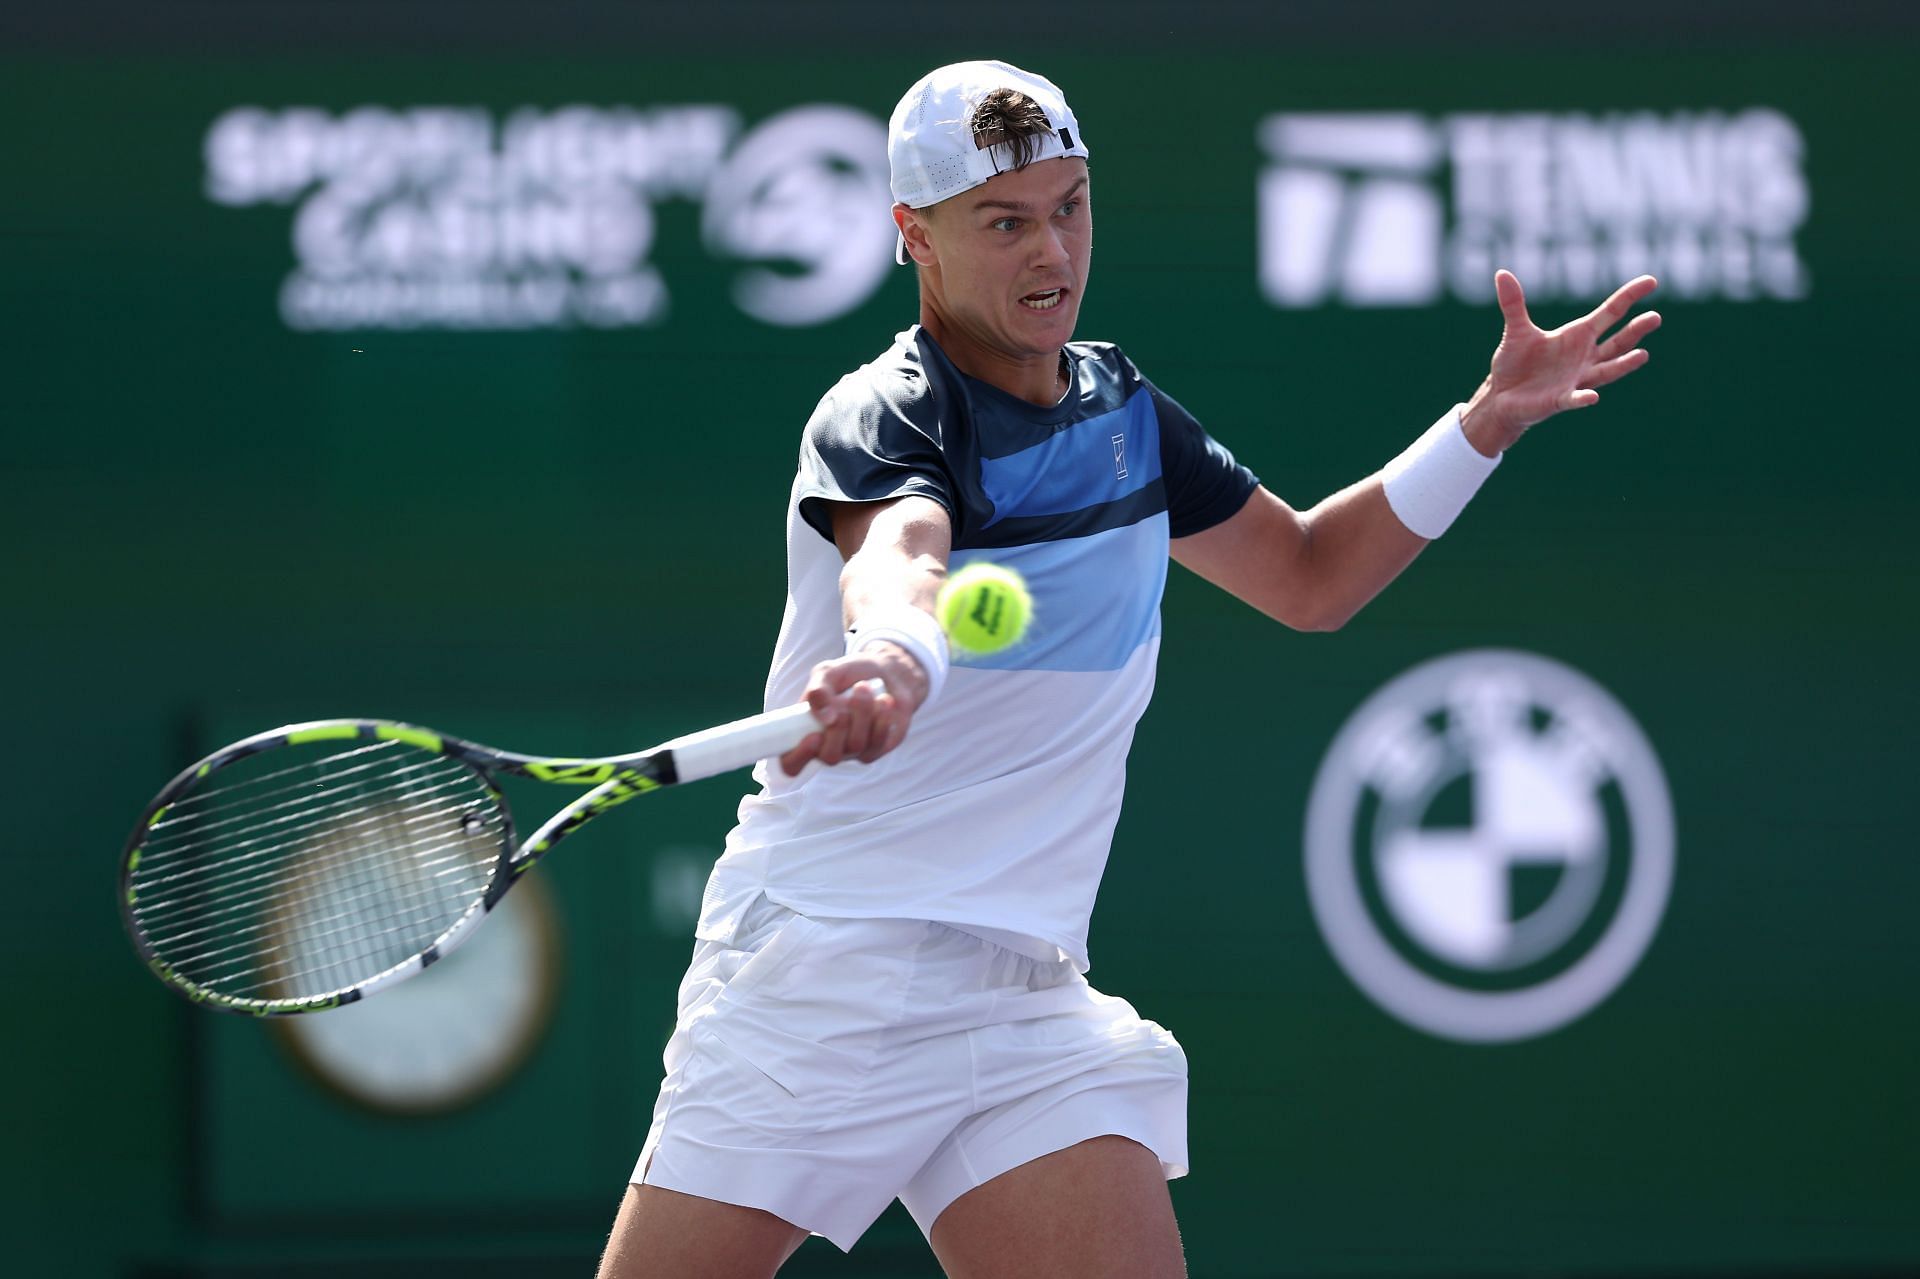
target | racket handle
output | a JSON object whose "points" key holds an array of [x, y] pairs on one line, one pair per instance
{"points": [[713, 751]]}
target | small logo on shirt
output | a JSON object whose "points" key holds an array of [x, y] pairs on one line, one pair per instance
{"points": [[1120, 456]]}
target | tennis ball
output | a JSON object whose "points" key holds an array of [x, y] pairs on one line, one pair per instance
{"points": [[984, 608]]}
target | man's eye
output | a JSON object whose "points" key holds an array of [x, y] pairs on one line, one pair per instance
{"points": [[1068, 209], [1005, 224]]}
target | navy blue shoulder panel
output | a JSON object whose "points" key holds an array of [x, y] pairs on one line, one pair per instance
{"points": [[875, 436], [1205, 485]]}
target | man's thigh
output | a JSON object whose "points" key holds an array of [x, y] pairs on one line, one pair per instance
{"points": [[1096, 1210], [663, 1234]]}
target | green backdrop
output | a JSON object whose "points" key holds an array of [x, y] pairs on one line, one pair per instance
{"points": [[569, 540]]}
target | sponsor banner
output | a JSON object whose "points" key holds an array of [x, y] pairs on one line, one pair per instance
{"points": [[1400, 209], [450, 217], [441, 217], [1489, 846]]}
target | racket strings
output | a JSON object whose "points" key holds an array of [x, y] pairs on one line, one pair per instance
{"points": [[365, 918], [318, 940], [297, 795], [230, 787], [253, 844], [372, 917], [345, 917], [225, 922], [280, 834], [314, 877], [312, 880], [245, 862], [239, 892]]}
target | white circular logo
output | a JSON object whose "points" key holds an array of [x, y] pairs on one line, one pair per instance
{"points": [[807, 188], [1489, 846]]}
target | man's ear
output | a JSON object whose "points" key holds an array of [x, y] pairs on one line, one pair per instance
{"points": [[913, 229]]}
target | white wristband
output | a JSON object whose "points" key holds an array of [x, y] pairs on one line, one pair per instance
{"points": [[912, 630], [1430, 484]]}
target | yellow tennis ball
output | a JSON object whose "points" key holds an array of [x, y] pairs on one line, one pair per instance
{"points": [[984, 608]]}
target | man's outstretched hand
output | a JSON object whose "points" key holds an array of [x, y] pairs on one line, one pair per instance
{"points": [[1537, 374]]}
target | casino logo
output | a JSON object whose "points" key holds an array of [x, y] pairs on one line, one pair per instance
{"points": [[444, 217], [1489, 846]]}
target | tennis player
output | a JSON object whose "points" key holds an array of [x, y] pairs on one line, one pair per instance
{"points": [[887, 997]]}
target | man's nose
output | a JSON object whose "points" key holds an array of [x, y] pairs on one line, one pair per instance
{"points": [[1050, 248]]}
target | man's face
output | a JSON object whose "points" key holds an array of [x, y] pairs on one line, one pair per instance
{"points": [[1010, 257]]}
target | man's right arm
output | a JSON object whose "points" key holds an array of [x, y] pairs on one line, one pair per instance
{"points": [[896, 559]]}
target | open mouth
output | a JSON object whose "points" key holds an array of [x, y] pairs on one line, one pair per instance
{"points": [[1045, 300]]}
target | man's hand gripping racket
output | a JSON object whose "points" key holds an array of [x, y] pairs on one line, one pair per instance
{"points": [[311, 866]]}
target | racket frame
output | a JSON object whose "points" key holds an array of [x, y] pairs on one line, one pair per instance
{"points": [[614, 780]]}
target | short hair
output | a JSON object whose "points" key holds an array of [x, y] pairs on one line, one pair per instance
{"points": [[1011, 117]]}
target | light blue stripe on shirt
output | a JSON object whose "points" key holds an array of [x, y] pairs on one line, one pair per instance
{"points": [[1096, 599]]}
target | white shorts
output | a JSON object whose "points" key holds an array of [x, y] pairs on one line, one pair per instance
{"points": [[822, 1068]]}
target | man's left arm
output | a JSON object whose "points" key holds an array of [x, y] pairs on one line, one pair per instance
{"points": [[1313, 570]]}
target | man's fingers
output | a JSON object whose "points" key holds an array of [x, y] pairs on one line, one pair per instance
{"points": [[896, 733], [833, 743], [796, 759], [829, 708], [1615, 308], [821, 700], [1615, 369], [884, 732], [1512, 298], [860, 717], [1578, 398], [1628, 338]]}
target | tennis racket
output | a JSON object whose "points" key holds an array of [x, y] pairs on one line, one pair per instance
{"points": [[308, 867]]}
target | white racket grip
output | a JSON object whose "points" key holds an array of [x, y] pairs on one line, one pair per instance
{"points": [[713, 751]]}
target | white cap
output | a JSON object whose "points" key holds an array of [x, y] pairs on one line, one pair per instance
{"points": [[930, 143]]}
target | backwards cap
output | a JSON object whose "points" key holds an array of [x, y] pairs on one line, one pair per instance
{"points": [[931, 147]]}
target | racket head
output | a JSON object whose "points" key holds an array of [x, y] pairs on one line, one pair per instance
{"points": [[303, 868]]}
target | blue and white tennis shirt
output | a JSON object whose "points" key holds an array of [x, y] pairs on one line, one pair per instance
{"points": [[996, 814]]}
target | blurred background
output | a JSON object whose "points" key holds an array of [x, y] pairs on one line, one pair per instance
{"points": [[446, 363]]}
